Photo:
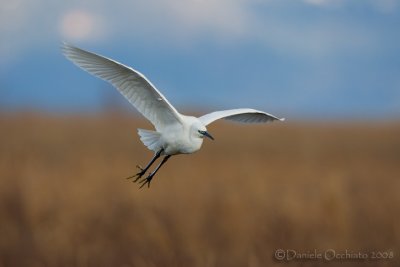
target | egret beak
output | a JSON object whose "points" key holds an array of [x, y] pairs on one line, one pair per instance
{"points": [[205, 133]]}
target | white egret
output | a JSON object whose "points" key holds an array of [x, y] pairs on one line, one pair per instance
{"points": [[175, 133]]}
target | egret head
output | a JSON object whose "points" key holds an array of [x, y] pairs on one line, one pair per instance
{"points": [[200, 131], [205, 134]]}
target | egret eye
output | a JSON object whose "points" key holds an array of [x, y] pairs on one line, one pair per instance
{"points": [[201, 133]]}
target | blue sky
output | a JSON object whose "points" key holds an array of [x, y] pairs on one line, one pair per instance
{"points": [[303, 59]]}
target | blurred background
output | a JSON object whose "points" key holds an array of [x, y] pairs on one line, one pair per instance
{"points": [[327, 178]]}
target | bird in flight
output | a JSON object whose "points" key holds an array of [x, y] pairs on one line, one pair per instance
{"points": [[174, 133]]}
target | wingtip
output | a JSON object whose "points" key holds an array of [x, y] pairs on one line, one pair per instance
{"points": [[64, 46], [282, 119]]}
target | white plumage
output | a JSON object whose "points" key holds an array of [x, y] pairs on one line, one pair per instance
{"points": [[175, 133]]}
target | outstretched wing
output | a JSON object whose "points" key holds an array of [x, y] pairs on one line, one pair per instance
{"points": [[133, 85], [244, 115]]}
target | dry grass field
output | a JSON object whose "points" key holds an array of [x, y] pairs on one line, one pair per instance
{"points": [[64, 199]]}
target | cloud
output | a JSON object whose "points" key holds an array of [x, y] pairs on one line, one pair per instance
{"points": [[278, 24], [25, 23], [183, 22], [80, 25], [227, 17]]}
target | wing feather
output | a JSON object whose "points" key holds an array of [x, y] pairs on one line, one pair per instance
{"points": [[243, 115], [133, 85]]}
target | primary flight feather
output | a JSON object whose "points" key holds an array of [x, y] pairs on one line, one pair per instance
{"points": [[175, 133]]}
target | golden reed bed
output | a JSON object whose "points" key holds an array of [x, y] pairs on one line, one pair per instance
{"points": [[300, 187]]}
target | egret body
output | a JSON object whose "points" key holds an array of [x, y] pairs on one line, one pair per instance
{"points": [[175, 133]]}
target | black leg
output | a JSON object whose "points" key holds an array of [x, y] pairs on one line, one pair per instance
{"points": [[147, 180], [143, 171]]}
